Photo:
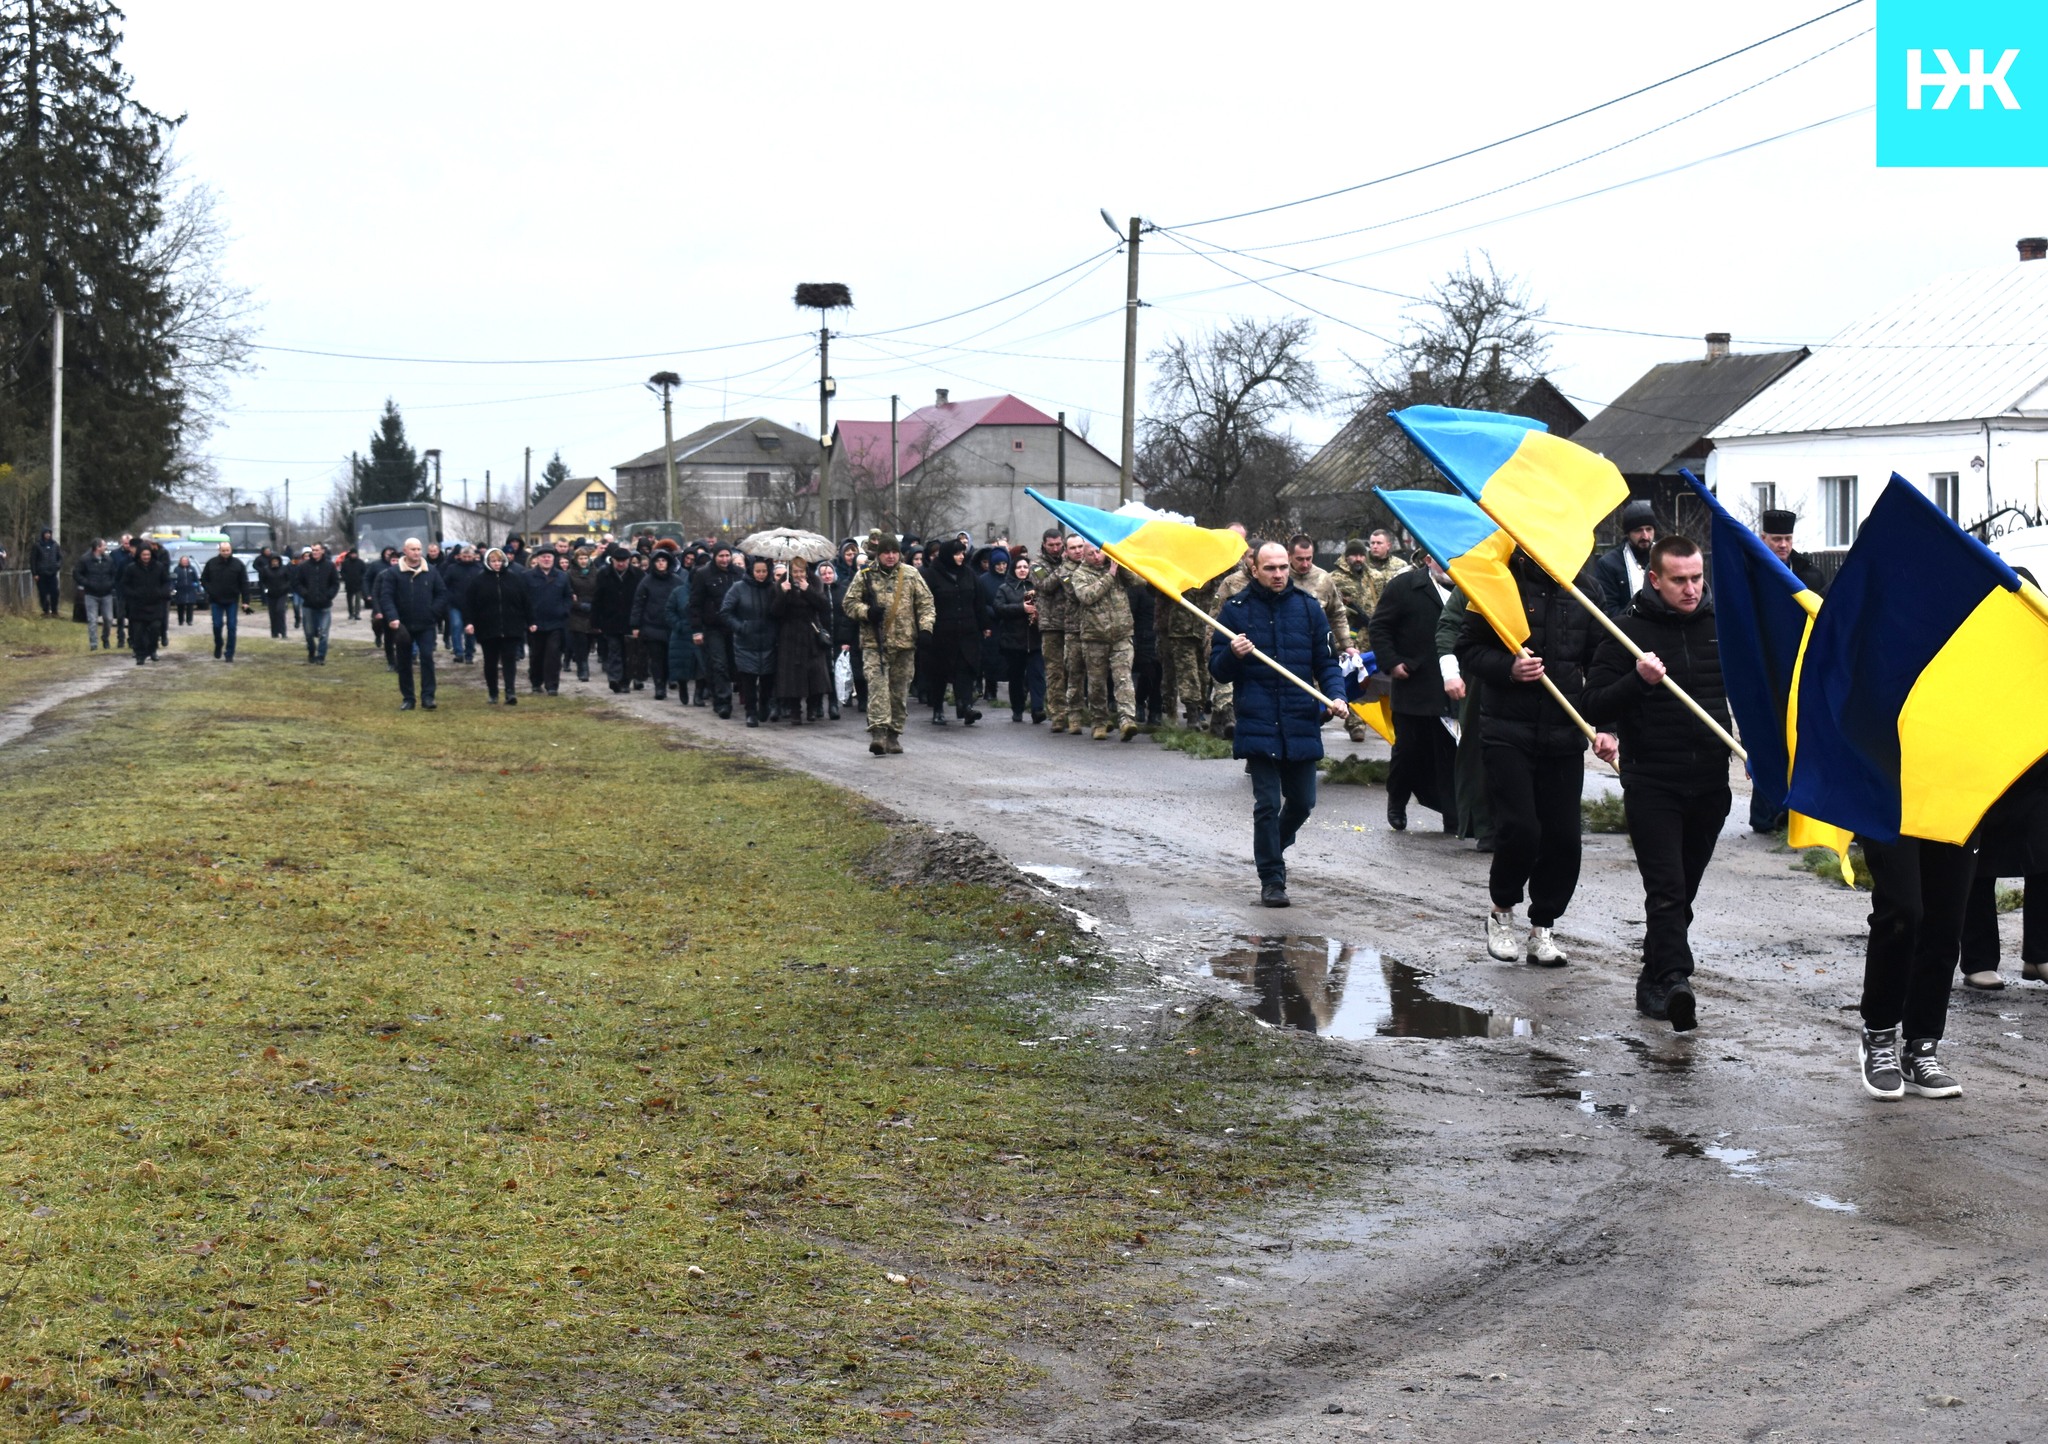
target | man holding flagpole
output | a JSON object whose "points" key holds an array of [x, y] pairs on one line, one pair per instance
{"points": [[1279, 726]]}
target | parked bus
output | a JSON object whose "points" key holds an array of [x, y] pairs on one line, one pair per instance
{"points": [[378, 527]]}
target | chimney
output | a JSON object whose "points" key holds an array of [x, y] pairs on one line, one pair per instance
{"points": [[2033, 248], [942, 395], [1418, 381], [1717, 345]]}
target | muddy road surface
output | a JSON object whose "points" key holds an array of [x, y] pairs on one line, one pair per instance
{"points": [[1587, 1226]]}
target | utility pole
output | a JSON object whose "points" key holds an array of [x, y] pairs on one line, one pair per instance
{"points": [[526, 492], [487, 506], [665, 382], [57, 426], [1063, 456], [825, 389], [286, 540], [895, 472], [1123, 476]]}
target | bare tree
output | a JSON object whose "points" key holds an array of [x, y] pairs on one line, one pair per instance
{"points": [[932, 492], [1212, 447], [208, 327]]}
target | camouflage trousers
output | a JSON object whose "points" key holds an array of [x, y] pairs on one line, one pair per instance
{"points": [[1186, 685], [1054, 649], [888, 674], [1077, 681], [1109, 674]]}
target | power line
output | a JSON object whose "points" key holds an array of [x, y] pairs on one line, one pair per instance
{"points": [[1520, 135]]}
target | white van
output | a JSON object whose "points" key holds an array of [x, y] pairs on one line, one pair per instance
{"points": [[2027, 547]]}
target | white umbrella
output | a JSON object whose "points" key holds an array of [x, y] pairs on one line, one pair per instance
{"points": [[783, 542]]}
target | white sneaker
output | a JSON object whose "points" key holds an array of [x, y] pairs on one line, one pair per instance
{"points": [[1543, 949], [1500, 936]]}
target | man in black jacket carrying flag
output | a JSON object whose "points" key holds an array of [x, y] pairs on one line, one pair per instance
{"points": [[1674, 772]]}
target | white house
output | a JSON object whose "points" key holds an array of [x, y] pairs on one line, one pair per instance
{"points": [[1947, 386]]}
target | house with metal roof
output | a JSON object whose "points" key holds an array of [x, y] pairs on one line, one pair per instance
{"points": [[577, 509], [963, 466], [1947, 386], [731, 476]]}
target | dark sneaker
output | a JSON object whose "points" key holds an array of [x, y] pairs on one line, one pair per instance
{"points": [[1878, 1055], [1273, 895], [1682, 1008], [1923, 1071], [406, 705]]}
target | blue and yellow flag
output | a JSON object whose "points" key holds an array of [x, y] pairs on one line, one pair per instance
{"points": [[1464, 540], [1763, 615], [1173, 556], [1545, 492], [1924, 691]]}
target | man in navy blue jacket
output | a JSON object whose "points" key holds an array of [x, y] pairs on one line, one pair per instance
{"points": [[1279, 726]]}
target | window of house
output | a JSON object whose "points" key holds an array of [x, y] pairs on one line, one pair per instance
{"points": [[1948, 493], [1838, 497], [1017, 445], [1765, 496], [757, 483], [593, 501]]}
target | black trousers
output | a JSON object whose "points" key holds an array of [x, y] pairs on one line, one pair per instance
{"points": [[1535, 805], [1918, 890], [1283, 796], [185, 610], [544, 659], [1147, 680], [1027, 684], [501, 654], [1674, 832], [860, 678], [949, 663], [355, 603], [423, 648], [46, 592], [1424, 766], [718, 660], [757, 690], [276, 606], [653, 660], [1980, 924]]}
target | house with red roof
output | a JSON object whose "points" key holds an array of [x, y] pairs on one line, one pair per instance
{"points": [[963, 466]]}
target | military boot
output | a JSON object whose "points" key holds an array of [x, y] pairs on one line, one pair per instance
{"points": [[878, 742], [894, 741]]}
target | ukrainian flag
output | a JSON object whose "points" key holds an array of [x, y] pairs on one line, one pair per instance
{"points": [[1763, 615], [1173, 556], [1467, 544], [1545, 492], [1924, 691]]}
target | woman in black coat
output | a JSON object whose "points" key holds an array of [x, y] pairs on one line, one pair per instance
{"points": [[803, 643], [748, 612], [1018, 639], [650, 619], [956, 638], [497, 610], [146, 590]]}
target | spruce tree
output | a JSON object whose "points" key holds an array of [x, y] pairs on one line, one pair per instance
{"points": [[551, 476], [393, 471], [82, 186]]}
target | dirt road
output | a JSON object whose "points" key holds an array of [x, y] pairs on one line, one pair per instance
{"points": [[1589, 1226]]}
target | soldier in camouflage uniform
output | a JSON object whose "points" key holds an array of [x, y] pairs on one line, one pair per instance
{"points": [[1106, 648], [1350, 582], [1052, 623], [1222, 701], [1381, 566], [892, 607], [1301, 563], [1184, 649], [1071, 570]]}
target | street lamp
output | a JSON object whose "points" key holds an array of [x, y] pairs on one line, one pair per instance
{"points": [[824, 297]]}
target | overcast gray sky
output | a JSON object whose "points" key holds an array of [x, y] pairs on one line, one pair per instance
{"points": [[544, 183]]}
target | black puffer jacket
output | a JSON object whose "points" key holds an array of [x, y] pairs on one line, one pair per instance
{"points": [[95, 574], [1015, 631], [498, 604], [748, 612], [318, 583], [274, 578], [146, 590], [957, 604], [650, 603], [1661, 741], [611, 601], [708, 586], [225, 580], [1523, 714]]}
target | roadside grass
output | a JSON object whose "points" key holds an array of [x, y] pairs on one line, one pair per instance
{"points": [[480, 1071], [2011, 899], [1192, 741], [37, 652], [1825, 865]]}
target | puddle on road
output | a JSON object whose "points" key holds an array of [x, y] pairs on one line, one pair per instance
{"points": [[1674, 1143], [1339, 990], [1075, 878], [1739, 1161], [1832, 1205]]}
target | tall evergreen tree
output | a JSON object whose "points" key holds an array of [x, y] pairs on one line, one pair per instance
{"points": [[82, 195], [551, 476], [393, 472]]}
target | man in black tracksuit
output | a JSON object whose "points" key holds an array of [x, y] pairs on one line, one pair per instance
{"points": [[1403, 640], [1674, 771], [1534, 758]]}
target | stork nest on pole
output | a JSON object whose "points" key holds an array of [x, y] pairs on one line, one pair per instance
{"points": [[823, 295]]}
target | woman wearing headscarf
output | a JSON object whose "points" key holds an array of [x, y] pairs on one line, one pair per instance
{"points": [[498, 612], [991, 581], [956, 637], [582, 626], [1017, 633], [803, 643], [145, 588], [649, 619], [186, 592], [749, 614]]}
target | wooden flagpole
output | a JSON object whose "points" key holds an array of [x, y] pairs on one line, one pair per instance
{"points": [[1677, 691]]}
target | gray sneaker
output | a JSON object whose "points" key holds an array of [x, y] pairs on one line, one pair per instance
{"points": [[1923, 1071], [1878, 1055], [1500, 936]]}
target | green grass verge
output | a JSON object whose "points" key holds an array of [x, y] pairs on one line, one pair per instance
{"points": [[482, 1071], [37, 653], [1355, 771], [1823, 864], [2011, 899]]}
